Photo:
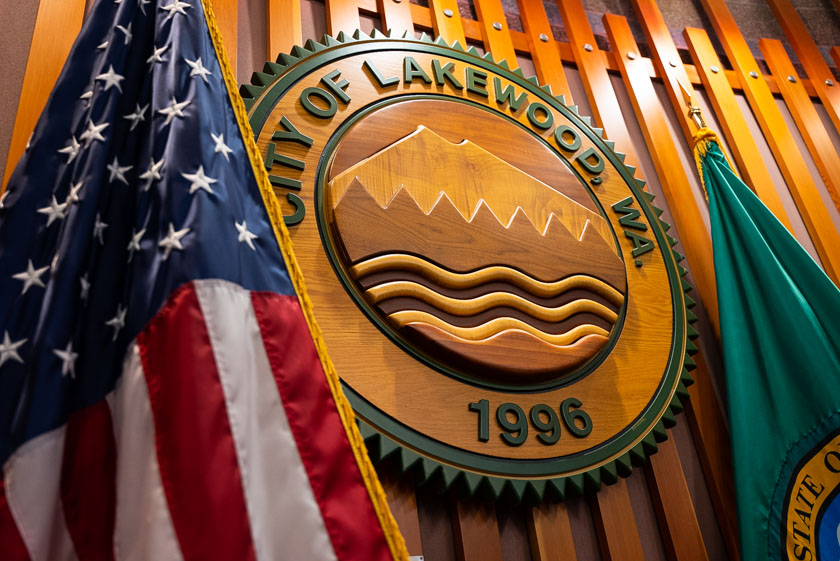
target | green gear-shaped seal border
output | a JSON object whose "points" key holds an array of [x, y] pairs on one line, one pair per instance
{"points": [[287, 69]]}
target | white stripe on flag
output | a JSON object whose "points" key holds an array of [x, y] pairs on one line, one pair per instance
{"points": [[286, 521], [143, 528], [33, 489]]}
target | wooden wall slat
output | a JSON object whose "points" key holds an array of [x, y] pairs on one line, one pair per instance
{"points": [[476, 531], [668, 63], [810, 57], [591, 63], [422, 18], [791, 163], [342, 15], [708, 426], [283, 26], [666, 60], [491, 15], [227, 16], [670, 491], [402, 500], [805, 115], [56, 26], [674, 506], [446, 21], [396, 16], [835, 54], [550, 533], [733, 124], [543, 48], [615, 524], [684, 208], [605, 105]]}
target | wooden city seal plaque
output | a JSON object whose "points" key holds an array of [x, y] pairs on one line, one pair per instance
{"points": [[493, 284]]}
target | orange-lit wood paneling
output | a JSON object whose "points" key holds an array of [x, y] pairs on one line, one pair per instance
{"points": [[283, 27], [781, 141], [56, 26]]}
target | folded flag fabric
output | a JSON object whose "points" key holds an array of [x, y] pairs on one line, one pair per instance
{"points": [[780, 332], [161, 395]]}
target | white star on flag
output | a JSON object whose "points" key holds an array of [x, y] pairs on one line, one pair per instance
{"points": [[142, 5], [174, 110], [86, 97], [134, 244], [102, 46], [199, 181], [152, 174], [198, 69], [137, 116], [83, 280], [156, 55], [54, 211], [127, 32], [8, 349], [68, 360], [117, 171], [176, 7], [31, 277], [172, 240], [93, 132], [118, 321], [71, 149], [245, 236], [221, 146], [99, 229], [111, 78], [3, 200], [73, 195]]}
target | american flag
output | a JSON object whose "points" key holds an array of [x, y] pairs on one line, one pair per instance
{"points": [[161, 397]]}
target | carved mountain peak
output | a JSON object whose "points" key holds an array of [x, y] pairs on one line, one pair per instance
{"points": [[428, 167]]}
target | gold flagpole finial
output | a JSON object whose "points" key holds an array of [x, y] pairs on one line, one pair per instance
{"points": [[694, 112]]}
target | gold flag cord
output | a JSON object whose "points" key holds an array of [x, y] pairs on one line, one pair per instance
{"points": [[394, 538]]}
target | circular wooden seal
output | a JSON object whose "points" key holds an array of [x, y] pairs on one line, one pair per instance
{"points": [[494, 286]]}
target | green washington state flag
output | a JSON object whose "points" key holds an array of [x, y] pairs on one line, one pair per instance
{"points": [[780, 327]]}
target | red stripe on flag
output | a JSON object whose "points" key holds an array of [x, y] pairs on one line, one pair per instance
{"points": [[195, 448], [88, 482], [11, 544], [321, 439]]}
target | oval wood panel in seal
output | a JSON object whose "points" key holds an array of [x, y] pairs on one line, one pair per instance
{"points": [[494, 287]]}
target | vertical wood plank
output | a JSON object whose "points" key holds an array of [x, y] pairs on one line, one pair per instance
{"points": [[494, 31], [805, 115], [732, 122], [591, 63], [342, 15], [476, 531], [283, 26], [666, 59], [673, 505], [227, 15], [402, 501], [666, 160], [791, 163], [550, 533], [446, 21], [616, 524], [543, 48], [56, 26], [707, 424], [810, 57], [396, 16]]}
